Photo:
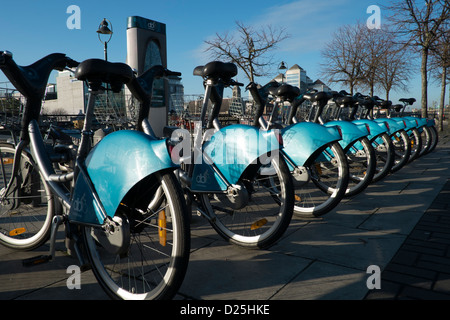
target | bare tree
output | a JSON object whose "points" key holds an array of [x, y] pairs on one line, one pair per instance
{"points": [[440, 65], [248, 48], [419, 23], [386, 65], [344, 57], [394, 69]]}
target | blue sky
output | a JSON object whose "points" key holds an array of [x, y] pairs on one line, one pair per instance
{"points": [[32, 29]]}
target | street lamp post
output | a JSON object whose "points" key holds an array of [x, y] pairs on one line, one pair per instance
{"points": [[104, 29], [282, 67]]}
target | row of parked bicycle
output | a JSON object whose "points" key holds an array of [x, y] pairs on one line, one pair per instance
{"points": [[126, 202]]}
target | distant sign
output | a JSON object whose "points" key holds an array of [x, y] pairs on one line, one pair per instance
{"points": [[146, 24]]}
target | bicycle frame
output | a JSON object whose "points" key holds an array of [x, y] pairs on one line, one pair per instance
{"points": [[300, 139], [239, 145]]}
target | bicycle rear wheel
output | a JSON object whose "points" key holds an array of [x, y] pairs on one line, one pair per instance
{"points": [[434, 138], [384, 150], [362, 164], [427, 140], [28, 207], [326, 184], [416, 144], [266, 214], [146, 256], [402, 147]]}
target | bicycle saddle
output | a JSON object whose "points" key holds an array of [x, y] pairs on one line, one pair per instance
{"points": [[32, 80], [397, 107], [344, 101], [97, 71], [385, 103], [285, 91], [216, 70], [410, 101], [317, 97]]}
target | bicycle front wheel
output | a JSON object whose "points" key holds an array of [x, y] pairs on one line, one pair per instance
{"points": [[27, 205], [264, 215], [146, 254]]}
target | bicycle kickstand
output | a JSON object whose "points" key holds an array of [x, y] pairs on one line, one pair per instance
{"points": [[57, 221]]}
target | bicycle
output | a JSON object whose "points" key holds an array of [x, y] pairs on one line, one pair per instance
{"points": [[315, 158], [137, 249], [411, 128], [355, 141], [426, 127], [232, 175], [397, 133], [378, 132]]}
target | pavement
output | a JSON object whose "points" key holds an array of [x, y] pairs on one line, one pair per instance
{"points": [[399, 226]]}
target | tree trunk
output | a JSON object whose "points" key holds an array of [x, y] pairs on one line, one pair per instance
{"points": [[442, 104], [423, 71]]}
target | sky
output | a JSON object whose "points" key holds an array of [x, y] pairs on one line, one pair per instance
{"points": [[32, 29]]}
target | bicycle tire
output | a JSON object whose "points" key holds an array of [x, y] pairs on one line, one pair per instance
{"points": [[435, 138], [402, 147], [162, 244], [384, 150], [360, 156], [268, 213], [328, 182], [26, 216], [416, 144], [427, 140]]}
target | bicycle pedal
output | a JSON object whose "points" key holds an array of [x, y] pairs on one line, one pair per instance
{"points": [[34, 261]]}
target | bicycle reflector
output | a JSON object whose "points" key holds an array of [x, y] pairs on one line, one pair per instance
{"points": [[258, 224], [17, 231], [8, 161], [162, 231], [368, 128]]}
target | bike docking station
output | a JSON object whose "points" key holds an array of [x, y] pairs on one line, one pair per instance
{"points": [[133, 225], [147, 47]]}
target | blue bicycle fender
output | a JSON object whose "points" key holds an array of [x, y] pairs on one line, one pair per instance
{"points": [[430, 123], [375, 128], [301, 140], [232, 149], [116, 164], [409, 123], [393, 126], [350, 132]]}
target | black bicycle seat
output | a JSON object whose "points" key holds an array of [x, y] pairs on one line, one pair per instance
{"points": [[216, 70], [97, 71], [385, 103], [397, 107], [321, 96], [32, 80], [409, 101], [285, 91], [344, 101]]}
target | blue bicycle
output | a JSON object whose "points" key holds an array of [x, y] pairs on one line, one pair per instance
{"points": [[315, 158], [232, 175], [136, 240]]}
